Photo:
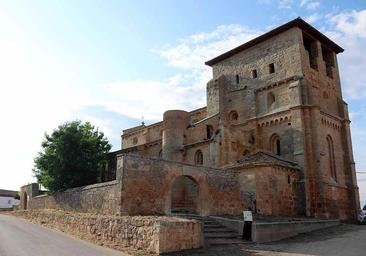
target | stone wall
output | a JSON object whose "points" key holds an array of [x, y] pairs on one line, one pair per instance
{"points": [[96, 198], [282, 50], [265, 232], [147, 187], [276, 190], [270, 232], [152, 234]]}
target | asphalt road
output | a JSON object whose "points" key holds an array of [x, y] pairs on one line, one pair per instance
{"points": [[343, 240], [19, 237]]}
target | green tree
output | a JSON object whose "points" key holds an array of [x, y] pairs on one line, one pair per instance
{"points": [[17, 196], [72, 156]]}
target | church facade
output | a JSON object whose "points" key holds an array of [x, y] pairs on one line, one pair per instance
{"points": [[275, 114]]}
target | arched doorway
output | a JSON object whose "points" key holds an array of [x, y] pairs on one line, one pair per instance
{"points": [[25, 201], [184, 195]]}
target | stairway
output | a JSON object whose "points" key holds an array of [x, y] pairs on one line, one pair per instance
{"points": [[215, 234]]}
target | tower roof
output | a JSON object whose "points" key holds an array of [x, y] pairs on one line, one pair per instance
{"points": [[298, 22]]}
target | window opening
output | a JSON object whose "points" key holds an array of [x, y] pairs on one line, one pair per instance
{"points": [[311, 48], [254, 73], [198, 157], [271, 68]]}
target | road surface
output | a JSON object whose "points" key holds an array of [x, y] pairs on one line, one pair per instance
{"points": [[19, 237], [343, 240]]}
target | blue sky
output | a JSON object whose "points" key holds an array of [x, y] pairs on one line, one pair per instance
{"points": [[112, 62]]}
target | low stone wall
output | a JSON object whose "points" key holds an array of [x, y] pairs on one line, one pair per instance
{"points": [[268, 232], [274, 231], [153, 234], [96, 198]]}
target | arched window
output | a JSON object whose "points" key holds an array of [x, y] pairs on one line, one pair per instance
{"points": [[135, 140], [270, 100], [275, 144], [198, 157], [237, 78], [331, 159], [233, 115]]}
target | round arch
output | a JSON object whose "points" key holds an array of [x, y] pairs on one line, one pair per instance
{"points": [[184, 195], [233, 115], [275, 144], [198, 157]]}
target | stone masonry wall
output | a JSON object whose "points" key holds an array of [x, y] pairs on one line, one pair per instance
{"points": [[149, 233], [97, 198], [147, 187], [274, 188]]}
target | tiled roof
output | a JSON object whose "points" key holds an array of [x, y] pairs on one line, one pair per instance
{"points": [[262, 157]]}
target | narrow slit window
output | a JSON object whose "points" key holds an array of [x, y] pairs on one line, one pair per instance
{"points": [[209, 131], [237, 79], [278, 147], [271, 68], [254, 73]]}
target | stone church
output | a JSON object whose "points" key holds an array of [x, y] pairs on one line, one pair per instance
{"points": [[274, 138], [274, 111]]}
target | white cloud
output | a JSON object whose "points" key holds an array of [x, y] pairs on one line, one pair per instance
{"points": [[151, 98], [349, 30], [312, 5], [351, 23], [185, 90], [193, 51], [285, 4], [313, 18]]}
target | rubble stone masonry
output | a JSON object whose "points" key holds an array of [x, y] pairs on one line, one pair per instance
{"points": [[152, 234]]}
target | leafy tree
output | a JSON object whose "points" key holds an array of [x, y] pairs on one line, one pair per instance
{"points": [[72, 156], [17, 196]]}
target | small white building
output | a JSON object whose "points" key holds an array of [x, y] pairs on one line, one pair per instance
{"points": [[7, 200]]}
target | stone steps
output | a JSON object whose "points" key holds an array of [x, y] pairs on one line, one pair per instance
{"points": [[214, 233], [211, 226], [217, 235], [223, 241], [217, 230], [227, 234]]}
